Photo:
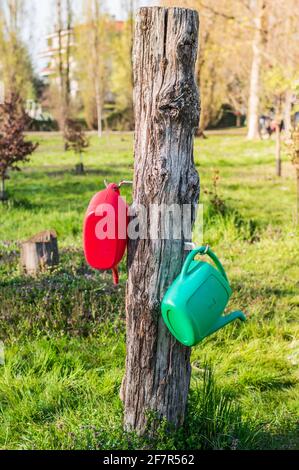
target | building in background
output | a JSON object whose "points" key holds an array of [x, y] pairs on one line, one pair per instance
{"points": [[51, 56]]}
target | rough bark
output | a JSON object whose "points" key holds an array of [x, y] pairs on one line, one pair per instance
{"points": [[39, 253], [166, 105]]}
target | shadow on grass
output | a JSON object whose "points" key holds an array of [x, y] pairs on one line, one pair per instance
{"points": [[263, 292], [75, 191], [19, 203], [271, 384], [67, 170]]}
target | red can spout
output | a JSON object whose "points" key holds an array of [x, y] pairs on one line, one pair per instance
{"points": [[115, 276]]}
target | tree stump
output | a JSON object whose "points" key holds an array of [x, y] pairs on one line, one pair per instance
{"points": [[39, 253], [166, 104]]}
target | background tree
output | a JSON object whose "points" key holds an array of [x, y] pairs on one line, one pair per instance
{"points": [[221, 79], [275, 91], [257, 14], [93, 67], [76, 140], [16, 70], [59, 94], [294, 154], [209, 70], [241, 41], [14, 148], [281, 71], [122, 71]]}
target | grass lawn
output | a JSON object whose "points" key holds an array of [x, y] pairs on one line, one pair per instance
{"points": [[64, 332]]}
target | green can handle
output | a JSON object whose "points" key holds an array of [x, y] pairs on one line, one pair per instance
{"points": [[203, 250]]}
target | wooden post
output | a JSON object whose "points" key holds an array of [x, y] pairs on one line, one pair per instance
{"points": [[167, 115], [39, 253]]}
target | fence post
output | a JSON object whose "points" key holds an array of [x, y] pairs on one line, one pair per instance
{"points": [[167, 114]]}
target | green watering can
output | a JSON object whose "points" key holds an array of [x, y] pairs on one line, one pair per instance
{"points": [[193, 306]]}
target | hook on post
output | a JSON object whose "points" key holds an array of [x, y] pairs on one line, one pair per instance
{"points": [[121, 184], [125, 183]]}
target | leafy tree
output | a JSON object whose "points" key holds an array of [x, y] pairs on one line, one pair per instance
{"points": [[64, 14], [93, 68], [281, 74], [16, 70], [76, 140], [14, 149], [240, 41], [122, 73], [223, 68]]}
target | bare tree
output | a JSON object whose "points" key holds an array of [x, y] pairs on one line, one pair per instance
{"points": [[93, 69], [96, 58], [69, 21], [167, 113], [224, 34], [64, 33], [61, 63]]}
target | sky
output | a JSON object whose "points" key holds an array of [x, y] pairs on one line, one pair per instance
{"points": [[40, 21]]}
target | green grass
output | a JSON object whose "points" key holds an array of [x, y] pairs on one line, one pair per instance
{"points": [[64, 332]]}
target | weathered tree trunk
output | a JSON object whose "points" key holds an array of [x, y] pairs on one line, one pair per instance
{"points": [[167, 114], [39, 253], [259, 6]]}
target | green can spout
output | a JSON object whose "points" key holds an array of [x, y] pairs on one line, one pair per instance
{"points": [[224, 321]]}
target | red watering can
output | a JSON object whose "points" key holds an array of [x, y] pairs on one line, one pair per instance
{"points": [[105, 234]]}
